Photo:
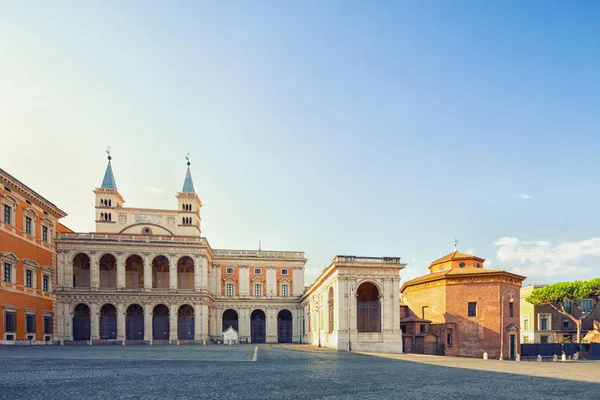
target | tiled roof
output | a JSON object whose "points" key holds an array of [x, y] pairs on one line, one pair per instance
{"points": [[188, 184], [109, 179], [414, 319], [456, 272], [456, 255]]}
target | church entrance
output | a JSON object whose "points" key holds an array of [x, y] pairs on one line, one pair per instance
{"points": [[134, 324], [81, 322], [257, 326], [368, 308], [185, 323], [108, 322], [160, 323], [284, 326]]}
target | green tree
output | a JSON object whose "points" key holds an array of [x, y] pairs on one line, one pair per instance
{"points": [[572, 293]]}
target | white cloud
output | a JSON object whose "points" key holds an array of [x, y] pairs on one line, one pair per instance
{"points": [[541, 258], [525, 196], [154, 190], [413, 259]]}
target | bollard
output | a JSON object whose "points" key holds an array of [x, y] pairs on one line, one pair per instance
{"points": [[62, 342], [150, 342], [539, 358], [177, 342], [563, 357], [555, 358], [518, 357], [485, 355], [123, 342], [90, 342], [204, 342]]}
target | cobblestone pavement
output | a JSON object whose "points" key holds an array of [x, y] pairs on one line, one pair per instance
{"points": [[280, 372]]}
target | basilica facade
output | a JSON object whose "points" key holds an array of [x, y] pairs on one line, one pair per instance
{"points": [[149, 276]]}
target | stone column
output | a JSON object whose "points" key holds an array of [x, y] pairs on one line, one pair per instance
{"points": [[120, 270], [68, 322], [197, 273], [204, 325], [120, 322], [198, 322], [172, 273], [271, 325], [243, 280], [60, 268], [296, 322], [147, 272], [218, 281], [386, 306], [94, 271], [147, 322], [396, 305], [173, 322], [204, 272], [298, 281], [271, 289], [219, 321], [244, 322], [68, 270], [94, 321]]}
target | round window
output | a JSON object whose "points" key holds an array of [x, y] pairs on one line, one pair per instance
{"points": [[442, 267], [462, 265], [147, 230]]}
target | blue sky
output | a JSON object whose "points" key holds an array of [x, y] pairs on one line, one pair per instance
{"points": [[328, 127]]}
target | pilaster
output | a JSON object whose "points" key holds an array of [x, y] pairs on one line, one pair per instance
{"points": [[204, 325], [94, 321], [172, 273], [94, 271], [197, 274], [120, 270], [147, 322], [120, 322], [147, 274], [172, 321], [198, 322]]}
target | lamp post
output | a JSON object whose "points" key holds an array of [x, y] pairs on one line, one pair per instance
{"points": [[349, 307], [316, 300], [512, 295]]}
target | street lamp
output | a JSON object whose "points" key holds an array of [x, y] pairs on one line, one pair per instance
{"points": [[349, 307], [512, 295], [316, 300]]}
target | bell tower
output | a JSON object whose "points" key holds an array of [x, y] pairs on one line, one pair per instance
{"points": [[108, 200], [188, 205]]}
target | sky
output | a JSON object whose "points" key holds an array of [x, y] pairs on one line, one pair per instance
{"points": [[337, 127]]}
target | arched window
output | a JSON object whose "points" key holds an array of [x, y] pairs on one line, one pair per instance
{"points": [[368, 308], [330, 309]]}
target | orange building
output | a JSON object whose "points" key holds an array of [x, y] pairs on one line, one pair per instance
{"points": [[28, 226], [467, 308]]}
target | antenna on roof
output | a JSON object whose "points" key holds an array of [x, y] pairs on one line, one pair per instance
{"points": [[455, 244], [259, 245]]}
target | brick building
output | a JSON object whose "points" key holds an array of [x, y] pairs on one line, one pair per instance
{"points": [[465, 302], [27, 258]]}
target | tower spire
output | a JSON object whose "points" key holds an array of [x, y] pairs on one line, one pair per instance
{"points": [[109, 179], [188, 183]]}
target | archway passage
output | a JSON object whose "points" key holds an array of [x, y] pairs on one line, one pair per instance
{"points": [[108, 322], [230, 319], [108, 271], [160, 322], [134, 323], [185, 323], [284, 326], [134, 272], [81, 322], [160, 272], [258, 326], [81, 271], [185, 273], [368, 308]]}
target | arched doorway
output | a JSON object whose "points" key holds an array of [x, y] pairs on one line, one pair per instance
{"points": [[368, 308], [331, 310], [108, 322], [81, 322], [185, 323], [284, 326], [160, 272], [134, 323], [108, 271], [81, 271], [160, 322], [230, 319], [258, 326], [134, 272], [185, 273]]}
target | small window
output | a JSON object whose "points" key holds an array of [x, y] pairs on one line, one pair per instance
{"points": [[258, 290], [511, 309], [230, 291], [284, 290], [45, 283], [28, 225], [472, 309], [10, 321], [256, 271], [147, 231], [526, 324], [45, 233], [544, 324], [30, 323], [544, 339], [7, 272], [7, 214], [586, 305], [48, 324], [525, 339], [230, 270], [284, 272], [29, 278], [478, 265], [567, 304], [422, 328], [449, 338], [462, 265], [565, 324]]}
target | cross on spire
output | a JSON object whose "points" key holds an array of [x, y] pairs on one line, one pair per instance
{"points": [[108, 151], [187, 157], [455, 244]]}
